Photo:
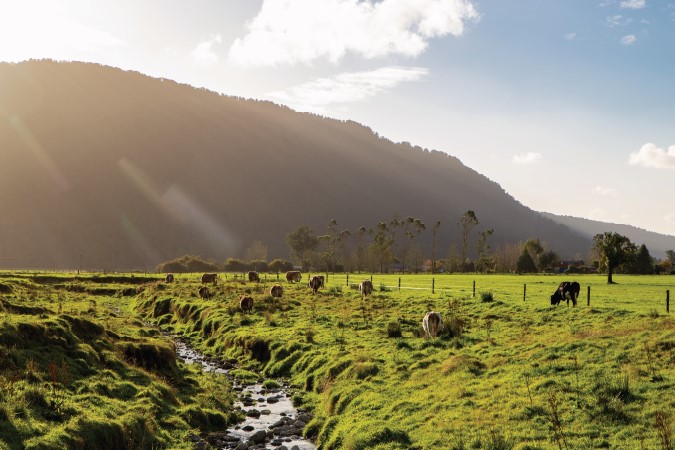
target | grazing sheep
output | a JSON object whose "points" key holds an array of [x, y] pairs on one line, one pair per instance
{"points": [[315, 283], [366, 287], [276, 291], [432, 324], [253, 276], [209, 278], [293, 276], [246, 303]]}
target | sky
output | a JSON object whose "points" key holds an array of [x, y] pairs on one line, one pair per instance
{"points": [[568, 104]]}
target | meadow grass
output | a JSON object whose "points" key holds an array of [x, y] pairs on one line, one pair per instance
{"points": [[507, 373], [79, 363]]}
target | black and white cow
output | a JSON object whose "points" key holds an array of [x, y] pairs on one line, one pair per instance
{"points": [[568, 290]]}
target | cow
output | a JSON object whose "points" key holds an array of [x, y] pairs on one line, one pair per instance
{"points": [[293, 276], [246, 303], [432, 324], [168, 278], [366, 287], [322, 279], [315, 283], [204, 292], [566, 291], [276, 291], [209, 278], [253, 276]]}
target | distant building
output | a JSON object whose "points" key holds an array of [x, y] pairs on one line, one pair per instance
{"points": [[564, 265]]}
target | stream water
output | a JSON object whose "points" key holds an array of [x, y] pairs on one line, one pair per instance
{"points": [[272, 422]]}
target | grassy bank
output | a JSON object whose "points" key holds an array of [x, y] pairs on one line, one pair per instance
{"points": [[77, 370], [507, 372]]}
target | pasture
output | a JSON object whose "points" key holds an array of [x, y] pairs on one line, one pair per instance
{"points": [[83, 357], [506, 373]]}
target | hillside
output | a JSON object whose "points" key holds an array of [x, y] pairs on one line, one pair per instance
{"points": [[656, 243], [117, 170]]}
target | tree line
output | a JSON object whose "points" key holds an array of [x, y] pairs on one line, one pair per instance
{"points": [[393, 246]]}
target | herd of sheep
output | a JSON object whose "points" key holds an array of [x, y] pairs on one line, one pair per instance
{"points": [[432, 323]]}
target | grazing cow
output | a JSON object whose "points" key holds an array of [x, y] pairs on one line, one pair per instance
{"points": [[366, 287], [322, 279], [169, 278], [253, 276], [293, 276], [246, 303], [204, 292], [315, 283], [566, 291], [276, 291], [209, 278], [432, 324]]}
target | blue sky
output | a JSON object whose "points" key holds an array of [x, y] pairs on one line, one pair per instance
{"points": [[568, 104]]}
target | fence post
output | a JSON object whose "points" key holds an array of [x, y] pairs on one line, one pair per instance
{"points": [[588, 298], [371, 277], [474, 288], [347, 278], [433, 285], [399, 283], [668, 301], [277, 276], [524, 291]]}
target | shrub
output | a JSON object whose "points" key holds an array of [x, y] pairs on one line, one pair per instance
{"points": [[486, 297], [394, 330]]}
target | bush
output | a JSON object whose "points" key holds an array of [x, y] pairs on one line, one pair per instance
{"points": [[280, 265], [486, 297], [394, 330]]}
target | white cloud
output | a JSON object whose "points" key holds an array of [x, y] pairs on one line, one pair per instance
{"points": [[628, 39], [670, 218], [570, 36], [650, 155], [317, 95], [302, 31], [633, 4], [618, 20], [525, 159], [204, 54], [604, 191]]}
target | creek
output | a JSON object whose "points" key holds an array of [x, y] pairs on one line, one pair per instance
{"points": [[272, 422]]}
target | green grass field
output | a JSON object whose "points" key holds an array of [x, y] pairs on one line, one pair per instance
{"points": [[507, 372]]}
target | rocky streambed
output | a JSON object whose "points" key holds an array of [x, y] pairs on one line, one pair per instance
{"points": [[272, 422]]}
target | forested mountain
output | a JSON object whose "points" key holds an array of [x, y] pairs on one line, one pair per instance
{"points": [[117, 170], [656, 243]]}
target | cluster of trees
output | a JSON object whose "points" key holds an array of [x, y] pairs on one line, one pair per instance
{"points": [[392, 246], [195, 264]]}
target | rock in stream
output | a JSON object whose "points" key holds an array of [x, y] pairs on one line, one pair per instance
{"points": [[272, 422]]}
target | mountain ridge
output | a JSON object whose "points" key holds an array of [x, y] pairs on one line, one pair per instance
{"points": [[113, 169]]}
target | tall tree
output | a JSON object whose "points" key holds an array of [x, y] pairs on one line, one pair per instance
{"points": [[437, 227], [671, 256], [465, 224], [411, 228], [614, 250], [393, 226], [525, 263], [381, 244], [547, 259], [643, 261], [302, 243], [485, 261], [360, 250], [330, 239]]}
